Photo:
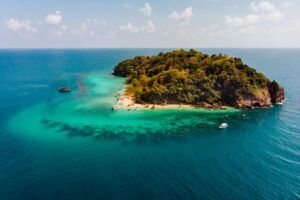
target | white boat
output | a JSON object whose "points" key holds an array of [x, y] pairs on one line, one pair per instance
{"points": [[223, 125]]}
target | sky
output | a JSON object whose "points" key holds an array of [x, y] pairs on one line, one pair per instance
{"points": [[150, 24]]}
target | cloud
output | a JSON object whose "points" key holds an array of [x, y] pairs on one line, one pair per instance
{"points": [[92, 23], [64, 27], [13, 24], [149, 27], [263, 11], [54, 18], [95, 20], [265, 6], [267, 10], [241, 21], [184, 17], [147, 9], [274, 16], [20, 25], [129, 27], [247, 30], [87, 22], [286, 4]]}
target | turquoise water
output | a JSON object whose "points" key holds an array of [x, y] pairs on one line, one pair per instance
{"points": [[73, 146]]}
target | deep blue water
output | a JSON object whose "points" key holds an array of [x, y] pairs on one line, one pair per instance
{"points": [[257, 157]]}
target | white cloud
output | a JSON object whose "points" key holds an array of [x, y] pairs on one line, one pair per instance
{"points": [[90, 23], [147, 9], [95, 20], [64, 27], [149, 27], [274, 16], [183, 17], [264, 6], [20, 25], [54, 18], [264, 11], [247, 30], [13, 24], [241, 21], [267, 10], [129, 27], [286, 4]]}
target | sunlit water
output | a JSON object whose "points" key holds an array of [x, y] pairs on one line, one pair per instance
{"points": [[73, 146]]}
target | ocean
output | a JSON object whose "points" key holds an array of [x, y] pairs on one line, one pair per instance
{"points": [[73, 146]]}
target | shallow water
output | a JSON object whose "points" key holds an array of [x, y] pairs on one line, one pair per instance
{"points": [[73, 146]]}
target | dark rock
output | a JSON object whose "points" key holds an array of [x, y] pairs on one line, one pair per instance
{"points": [[276, 92]]}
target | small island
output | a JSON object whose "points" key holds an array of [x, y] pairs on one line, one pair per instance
{"points": [[191, 78]]}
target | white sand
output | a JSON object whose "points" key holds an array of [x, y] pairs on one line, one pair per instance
{"points": [[126, 102]]}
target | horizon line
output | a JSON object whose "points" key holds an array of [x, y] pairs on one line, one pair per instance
{"points": [[77, 48]]}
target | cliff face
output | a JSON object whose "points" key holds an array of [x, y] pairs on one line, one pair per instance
{"points": [[276, 92], [270, 95], [191, 77]]}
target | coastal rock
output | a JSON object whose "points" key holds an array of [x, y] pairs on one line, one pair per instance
{"points": [[250, 101], [276, 92]]}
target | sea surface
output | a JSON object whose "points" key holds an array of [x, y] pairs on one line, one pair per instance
{"points": [[73, 146]]}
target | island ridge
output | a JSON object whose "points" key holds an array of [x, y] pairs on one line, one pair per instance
{"points": [[192, 78]]}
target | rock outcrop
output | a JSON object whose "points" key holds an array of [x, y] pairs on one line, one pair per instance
{"points": [[276, 92], [268, 96]]}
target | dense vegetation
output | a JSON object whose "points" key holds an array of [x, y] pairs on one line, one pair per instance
{"points": [[191, 77]]}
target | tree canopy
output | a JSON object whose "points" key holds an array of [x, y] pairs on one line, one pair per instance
{"points": [[190, 77]]}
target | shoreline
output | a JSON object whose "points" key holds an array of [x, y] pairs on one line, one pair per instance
{"points": [[126, 102]]}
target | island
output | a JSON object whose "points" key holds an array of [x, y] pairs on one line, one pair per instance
{"points": [[189, 78]]}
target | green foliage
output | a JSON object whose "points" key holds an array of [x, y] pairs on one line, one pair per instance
{"points": [[189, 77]]}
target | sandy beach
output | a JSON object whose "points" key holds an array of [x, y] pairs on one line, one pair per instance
{"points": [[126, 102]]}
